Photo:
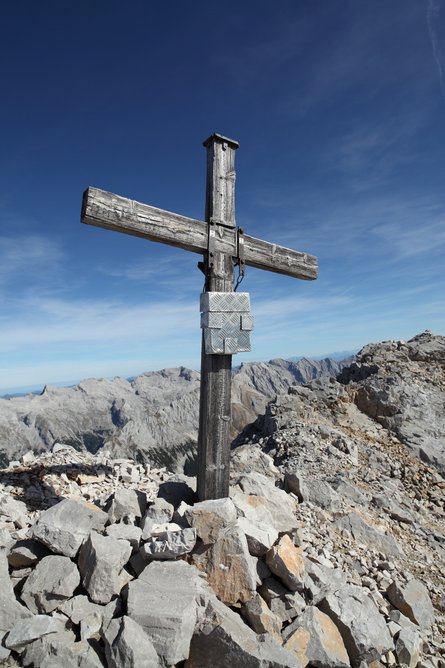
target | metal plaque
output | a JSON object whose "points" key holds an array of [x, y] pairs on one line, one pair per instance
{"points": [[227, 322]]}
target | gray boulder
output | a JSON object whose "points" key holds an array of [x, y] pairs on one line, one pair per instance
{"points": [[14, 511], [362, 627], [127, 645], [281, 506], [10, 609], [222, 639], [368, 535], [284, 604], [149, 603], [408, 648], [27, 630], [286, 562], [317, 641], [26, 552], [230, 569], [169, 544], [319, 580], [53, 580], [312, 490], [259, 616], [126, 503], [64, 527], [101, 560], [128, 532], [412, 599], [160, 512], [260, 538], [210, 517], [60, 649]]}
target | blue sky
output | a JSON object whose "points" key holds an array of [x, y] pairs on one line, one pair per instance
{"points": [[339, 108]]}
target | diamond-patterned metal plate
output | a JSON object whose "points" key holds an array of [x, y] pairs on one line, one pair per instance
{"points": [[225, 302], [227, 322]]}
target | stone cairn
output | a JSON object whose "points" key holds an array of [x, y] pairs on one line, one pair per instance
{"points": [[108, 563]]}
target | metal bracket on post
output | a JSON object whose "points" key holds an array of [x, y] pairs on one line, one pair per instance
{"points": [[211, 238], [240, 256]]}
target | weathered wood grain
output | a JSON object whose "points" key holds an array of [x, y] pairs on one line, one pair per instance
{"points": [[104, 209], [216, 370]]}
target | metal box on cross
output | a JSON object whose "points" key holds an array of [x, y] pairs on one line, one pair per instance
{"points": [[227, 322]]}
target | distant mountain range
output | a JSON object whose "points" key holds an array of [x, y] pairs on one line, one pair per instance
{"points": [[153, 416]]}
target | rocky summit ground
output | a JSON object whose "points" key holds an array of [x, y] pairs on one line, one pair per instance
{"points": [[330, 551]]}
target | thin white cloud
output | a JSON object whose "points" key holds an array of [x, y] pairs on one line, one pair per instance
{"points": [[30, 254], [48, 322], [432, 16]]}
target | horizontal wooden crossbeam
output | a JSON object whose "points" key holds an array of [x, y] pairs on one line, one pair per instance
{"points": [[104, 209]]}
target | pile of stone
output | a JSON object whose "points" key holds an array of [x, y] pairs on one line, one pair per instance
{"points": [[108, 563]]}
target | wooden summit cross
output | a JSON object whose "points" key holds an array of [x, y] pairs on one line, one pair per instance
{"points": [[222, 244]]}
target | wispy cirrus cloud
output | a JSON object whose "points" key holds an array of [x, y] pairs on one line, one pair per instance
{"points": [[31, 254], [432, 17]]}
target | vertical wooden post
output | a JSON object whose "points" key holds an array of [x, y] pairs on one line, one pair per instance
{"points": [[216, 370]]}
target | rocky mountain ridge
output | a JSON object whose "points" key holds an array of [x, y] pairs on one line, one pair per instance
{"points": [[329, 553], [153, 416]]}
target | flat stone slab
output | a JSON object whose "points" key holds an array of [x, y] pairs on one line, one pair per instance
{"points": [[66, 526]]}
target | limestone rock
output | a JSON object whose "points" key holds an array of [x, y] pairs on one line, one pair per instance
{"points": [[10, 610], [313, 490], [408, 648], [319, 580], [413, 601], [53, 580], [27, 630], [14, 511], [229, 567], [169, 544], [281, 506], [221, 639], [209, 517], [126, 503], [317, 641], [286, 562], [284, 604], [368, 535], [26, 552], [101, 560], [64, 527], [60, 649], [127, 645], [260, 618], [362, 627], [260, 538], [128, 532], [159, 512], [149, 603]]}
